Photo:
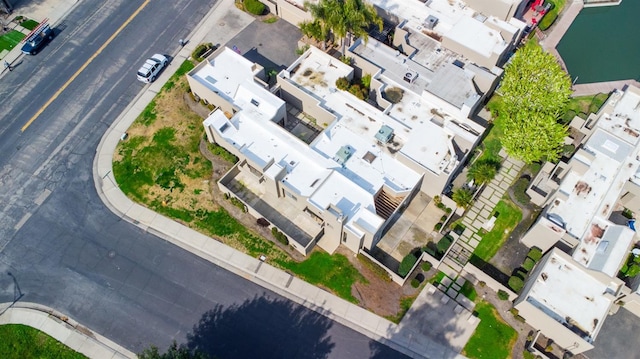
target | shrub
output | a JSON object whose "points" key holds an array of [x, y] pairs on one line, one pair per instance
{"points": [[503, 295], [346, 59], [366, 81], [357, 91], [516, 283], [302, 50], [262, 222], [279, 236], [415, 283], [426, 266], [342, 83], [254, 7], [444, 243], [407, 263], [627, 213], [438, 226], [448, 210], [528, 264], [535, 253], [200, 50], [443, 218], [393, 94]]}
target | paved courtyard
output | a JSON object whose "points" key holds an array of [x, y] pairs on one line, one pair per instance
{"points": [[413, 229]]}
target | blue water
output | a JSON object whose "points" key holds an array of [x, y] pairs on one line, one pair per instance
{"points": [[603, 44]]}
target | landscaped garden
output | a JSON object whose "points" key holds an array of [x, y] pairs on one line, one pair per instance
{"points": [[507, 216], [24, 342]]}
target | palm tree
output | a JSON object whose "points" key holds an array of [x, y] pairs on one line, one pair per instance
{"points": [[342, 18], [462, 197], [483, 171]]}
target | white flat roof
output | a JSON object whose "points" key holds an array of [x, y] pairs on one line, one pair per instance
{"points": [[566, 292], [477, 36], [624, 120], [604, 247], [356, 126], [596, 191], [224, 73]]}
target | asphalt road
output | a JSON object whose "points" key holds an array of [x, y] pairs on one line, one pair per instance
{"points": [[64, 249]]}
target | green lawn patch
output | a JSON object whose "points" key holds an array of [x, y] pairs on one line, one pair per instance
{"points": [[332, 271], [552, 15], [29, 24], [493, 338], [509, 215], [23, 342], [469, 291], [9, 40], [582, 106]]}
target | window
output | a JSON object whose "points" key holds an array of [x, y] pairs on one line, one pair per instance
{"points": [[344, 237], [255, 102]]}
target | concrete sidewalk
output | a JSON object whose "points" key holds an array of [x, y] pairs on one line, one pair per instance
{"points": [[62, 328], [402, 339]]}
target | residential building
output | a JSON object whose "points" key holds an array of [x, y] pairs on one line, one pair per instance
{"points": [[583, 200], [567, 301], [344, 184]]}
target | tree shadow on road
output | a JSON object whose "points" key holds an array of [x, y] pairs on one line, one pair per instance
{"points": [[262, 328]]}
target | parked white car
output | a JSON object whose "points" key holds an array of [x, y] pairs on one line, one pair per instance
{"points": [[152, 67]]}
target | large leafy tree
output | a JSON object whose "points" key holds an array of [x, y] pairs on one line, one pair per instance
{"points": [[174, 352], [533, 136], [534, 91], [341, 17], [534, 81]]}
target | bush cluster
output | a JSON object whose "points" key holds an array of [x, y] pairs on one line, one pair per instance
{"points": [[503, 295], [407, 264], [202, 49], [343, 83], [254, 7], [279, 236]]}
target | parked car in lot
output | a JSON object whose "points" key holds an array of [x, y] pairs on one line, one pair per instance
{"points": [[152, 67], [37, 39]]}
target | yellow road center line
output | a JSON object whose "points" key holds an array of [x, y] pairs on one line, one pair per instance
{"points": [[84, 66]]}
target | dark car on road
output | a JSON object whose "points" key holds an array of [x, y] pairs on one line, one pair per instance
{"points": [[37, 40]]}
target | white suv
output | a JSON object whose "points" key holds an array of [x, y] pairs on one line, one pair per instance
{"points": [[152, 67]]}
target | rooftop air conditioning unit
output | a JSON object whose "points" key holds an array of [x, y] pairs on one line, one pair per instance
{"points": [[410, 76], [430, 22]]}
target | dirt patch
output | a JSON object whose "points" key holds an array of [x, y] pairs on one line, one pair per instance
{"points": [[378, 295]]}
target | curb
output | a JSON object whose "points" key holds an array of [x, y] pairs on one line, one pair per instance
{"points": [[64, 329]]}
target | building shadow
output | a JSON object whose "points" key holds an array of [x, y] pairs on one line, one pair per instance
{"points": [[262, 328]]}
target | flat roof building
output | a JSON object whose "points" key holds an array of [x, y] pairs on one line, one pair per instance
{"points": [[366, 163]]}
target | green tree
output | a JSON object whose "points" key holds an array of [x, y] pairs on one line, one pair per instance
{"points": [[534, 82], [174, 352], [462, 197], [533, 136], [534, 92], [483, 171], [344, 17], [316, 30]]}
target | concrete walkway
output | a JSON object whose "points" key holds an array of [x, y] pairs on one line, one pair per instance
{"points": [[403, 339], [477, 217], [62, 328]]}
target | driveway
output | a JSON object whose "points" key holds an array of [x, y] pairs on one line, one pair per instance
{"points": [[617, 338]]}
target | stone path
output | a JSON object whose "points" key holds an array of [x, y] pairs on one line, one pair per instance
{"points": [[477, 217]]}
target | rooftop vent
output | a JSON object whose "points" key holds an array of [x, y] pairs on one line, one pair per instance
{"points": [[410, 76], [384, 134], [430, 22], [343, 154]]}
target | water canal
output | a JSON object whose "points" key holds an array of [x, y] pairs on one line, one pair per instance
{"points": [[603, 44]]}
